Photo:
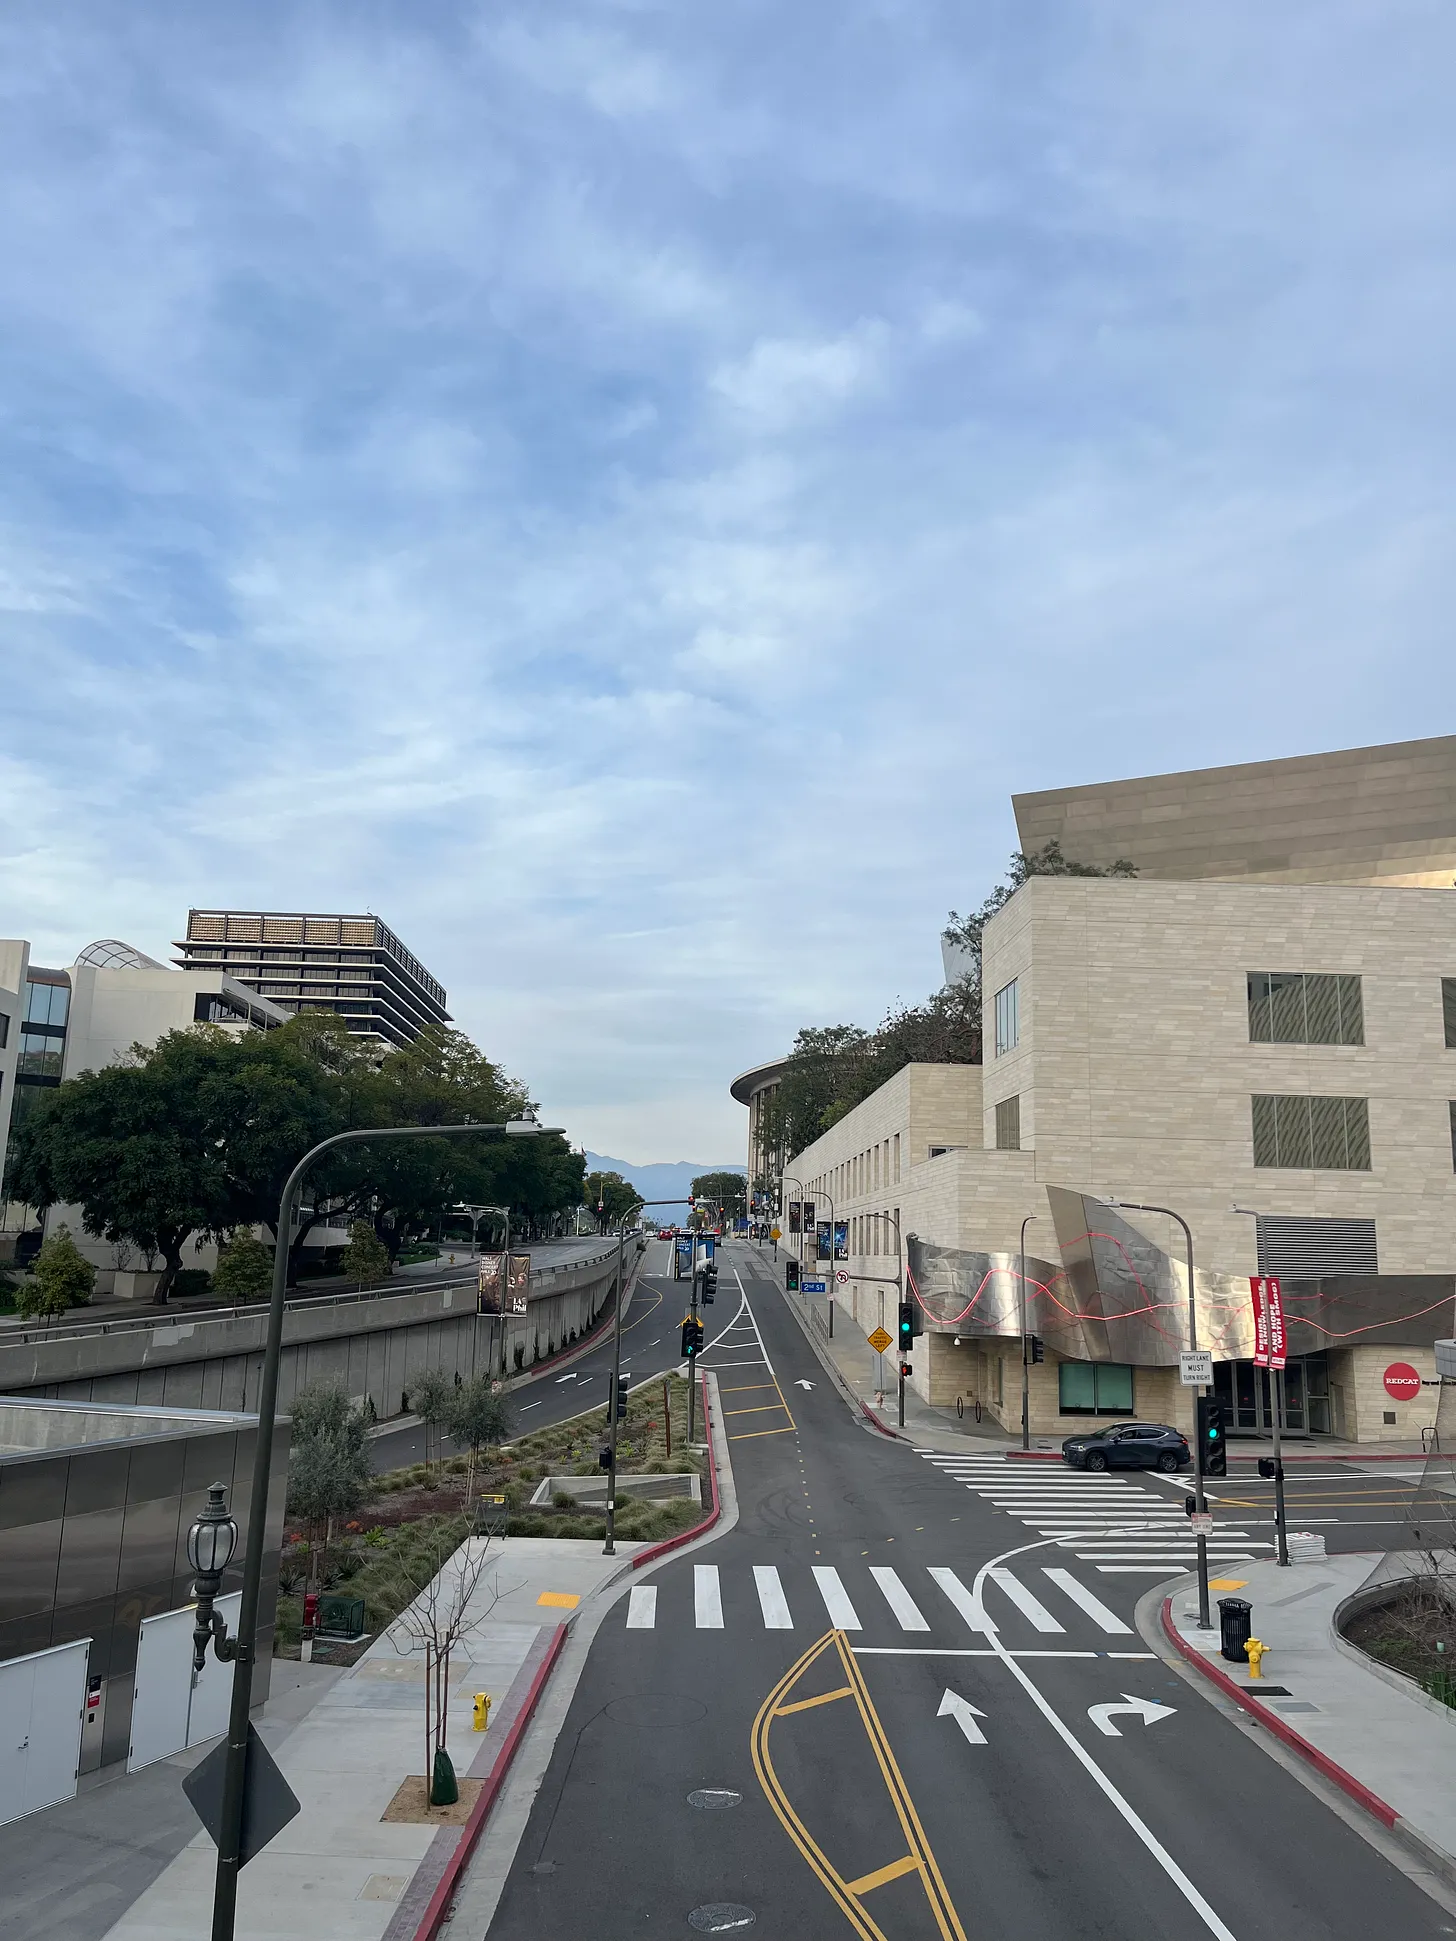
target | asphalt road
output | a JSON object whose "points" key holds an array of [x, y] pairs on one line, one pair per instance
{"points": [[651, 1344], [886, 1740]]}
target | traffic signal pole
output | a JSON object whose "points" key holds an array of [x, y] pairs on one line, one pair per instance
{"points": [[692, 1359]]}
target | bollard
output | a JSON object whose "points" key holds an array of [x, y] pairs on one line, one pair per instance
{"points": [[482, 1711], [1256, 1651]]}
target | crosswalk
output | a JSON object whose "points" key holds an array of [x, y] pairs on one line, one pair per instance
{"points": [[1120, 1526], [1036, 1601]]}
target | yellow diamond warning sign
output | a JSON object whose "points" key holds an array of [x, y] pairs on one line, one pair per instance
{"points": [[879, 1341]]}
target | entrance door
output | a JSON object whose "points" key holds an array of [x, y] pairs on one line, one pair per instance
{"points": [[42, 1697], [1246, 1393]]}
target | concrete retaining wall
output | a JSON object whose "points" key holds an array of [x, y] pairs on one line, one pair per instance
{"points": [[375, 1347]]}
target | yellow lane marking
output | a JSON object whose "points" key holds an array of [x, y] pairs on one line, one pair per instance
{"points": [[560, 1600], [761, 1408], [752, 1435], [882, 1876], [808, 1704], [846, 1894], [745, 1388]]}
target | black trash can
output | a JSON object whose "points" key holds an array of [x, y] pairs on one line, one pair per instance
{"points": [[1236, 1627]]}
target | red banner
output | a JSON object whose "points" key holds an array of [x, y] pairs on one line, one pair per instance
{"points": [[1269, 1345]]}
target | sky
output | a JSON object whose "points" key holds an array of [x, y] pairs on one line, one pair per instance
{"points": [[628, 491]]}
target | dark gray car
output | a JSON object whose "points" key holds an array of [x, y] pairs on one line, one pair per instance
{"points": [[1128, 1445]]}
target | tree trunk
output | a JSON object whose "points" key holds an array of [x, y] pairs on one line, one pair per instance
{"points": [[170, 1248]]}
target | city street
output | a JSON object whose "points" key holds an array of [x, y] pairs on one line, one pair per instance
{"points": [[904, 1702]]}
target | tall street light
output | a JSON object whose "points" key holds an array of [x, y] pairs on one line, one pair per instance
{"points": [[1205, 1623], [1276, 1410], [609, 1549], [1025, 1371], [242, 1648]]}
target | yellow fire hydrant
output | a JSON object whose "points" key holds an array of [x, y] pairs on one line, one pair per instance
{"points": [[482, 1711], [1256, 1652]]}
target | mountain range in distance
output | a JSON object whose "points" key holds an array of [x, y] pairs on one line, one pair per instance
{"points": [[663, 1180]]}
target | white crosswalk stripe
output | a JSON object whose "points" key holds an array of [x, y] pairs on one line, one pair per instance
{"points": [[1022, 1598], [707, 1598], [1107, 1620], [642, 1607], [964, 1601], [842, 1614], [899, 1599], [771, 1599]]}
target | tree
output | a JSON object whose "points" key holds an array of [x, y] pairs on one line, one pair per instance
{"points": [[366, 1259], [244, 1270], [729, 1191], [1025, 863], [438, 1593], [62, 1278], [328, 1463], [610, 1199], [432, 1397], [479, 1416]]}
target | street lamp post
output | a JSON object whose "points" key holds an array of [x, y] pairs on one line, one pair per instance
{"points": [[609, 1549], [1205, 1623], [1276, 1410], [242, 1648], [1025, 1369]]}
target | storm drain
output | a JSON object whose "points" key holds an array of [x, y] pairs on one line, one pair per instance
{"points": [[709, 1797]]}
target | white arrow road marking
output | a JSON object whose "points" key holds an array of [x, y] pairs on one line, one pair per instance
{"points": [[564, 1378], [801, 1383], [965, 1715], [1142, 1708]]}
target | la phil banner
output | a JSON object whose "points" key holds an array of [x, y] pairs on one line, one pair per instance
{"points": [[504, 1273], [1269, 1346]]}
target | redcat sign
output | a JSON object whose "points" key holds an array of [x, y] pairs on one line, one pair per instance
{"points": [[1269, 1345]]}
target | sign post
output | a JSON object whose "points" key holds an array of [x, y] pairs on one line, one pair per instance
{"points": [[1270, 1351]]}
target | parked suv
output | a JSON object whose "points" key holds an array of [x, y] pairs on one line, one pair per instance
{"points": [[1128, 1445]]}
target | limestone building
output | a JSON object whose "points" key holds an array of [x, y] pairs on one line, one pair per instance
{"points": [[1264, 1043]]}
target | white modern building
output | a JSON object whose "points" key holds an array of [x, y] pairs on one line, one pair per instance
{"points": [[1257, 1033]]}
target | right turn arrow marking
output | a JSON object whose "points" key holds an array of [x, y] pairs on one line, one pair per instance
{"points": [[965, 1715]]}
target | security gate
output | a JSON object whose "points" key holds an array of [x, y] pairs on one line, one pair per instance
{"points": [[172, 1707], [42, 1698]]}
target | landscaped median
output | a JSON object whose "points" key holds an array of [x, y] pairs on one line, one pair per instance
{"points": [[549, 1484]]}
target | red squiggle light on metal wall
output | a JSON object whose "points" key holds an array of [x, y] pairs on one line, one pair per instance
{"points": [[1234, 1310]]}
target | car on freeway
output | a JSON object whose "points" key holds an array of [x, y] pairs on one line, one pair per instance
{"points": [[1128, 1445]]}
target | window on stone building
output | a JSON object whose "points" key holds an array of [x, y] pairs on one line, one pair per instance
{"points": [[1008, 1124], [1453, 1135], [897, 1159], [1094, 1388], [1320, 1134], [1305, 1008], [1448, 1010], [1008, 1023]]}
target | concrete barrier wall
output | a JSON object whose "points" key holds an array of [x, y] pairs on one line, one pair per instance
{"points": [[375, 1347]]}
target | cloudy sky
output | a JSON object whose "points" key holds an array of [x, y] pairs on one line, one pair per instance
{"points": [[627, 490]]}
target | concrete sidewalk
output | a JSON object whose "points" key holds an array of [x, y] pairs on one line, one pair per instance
{"points": [[1335, 1706], [338, 1869]]}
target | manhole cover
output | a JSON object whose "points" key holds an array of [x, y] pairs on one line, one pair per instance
{"points": [[721, 1917], [656, 1708], [710, 1796]]}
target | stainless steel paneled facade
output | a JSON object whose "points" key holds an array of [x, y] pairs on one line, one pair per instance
{"points": [[1120, 1297], [95, 1506]]}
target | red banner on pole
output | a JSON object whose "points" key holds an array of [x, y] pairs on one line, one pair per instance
{"points": [[1269, 1345]]}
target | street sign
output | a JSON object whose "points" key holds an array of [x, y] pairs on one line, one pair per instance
{"points": [[841, 1276], [1195, 1367], [1201, 1523], [775, 1235], [1269, 1349], [268, 1799], [813, 1287], [880, 1341]]}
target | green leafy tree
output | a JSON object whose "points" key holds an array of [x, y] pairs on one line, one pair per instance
{"points": [[366, 1259], [244, 1270], [610, 1200], [728, 1191], [478, 1416], [63, 1278], [328, 1464], [432, 1396]]}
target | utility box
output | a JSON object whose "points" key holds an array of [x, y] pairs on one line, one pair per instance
{"points": [[341, 1617]]}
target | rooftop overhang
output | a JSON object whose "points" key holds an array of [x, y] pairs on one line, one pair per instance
{"points": [[757, 1078]]}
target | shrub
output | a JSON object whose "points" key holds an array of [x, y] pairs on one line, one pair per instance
{"points": [[244, 1270], [62, 1278]]}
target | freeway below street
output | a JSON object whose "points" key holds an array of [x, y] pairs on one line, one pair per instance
{"points": [[905, 1696], [651, 1343]]}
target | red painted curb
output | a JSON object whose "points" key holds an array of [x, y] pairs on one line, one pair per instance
{"points": [[1347, 1783], [656, 1550], [883, 1427], [470, 1833]]}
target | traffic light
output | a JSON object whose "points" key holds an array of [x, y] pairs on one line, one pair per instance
{"points": [[791, 1276], [1269, 1468], [907, 1326], [604, 1458], [710, 1280], [692, 1337], [1211, 1436], [905, 1371], [1035, 1348], [623, 1384]]}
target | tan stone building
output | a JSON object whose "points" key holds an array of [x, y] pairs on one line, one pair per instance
{"points": [[1233, 1038]]}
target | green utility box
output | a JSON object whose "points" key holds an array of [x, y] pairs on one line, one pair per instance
{"points": [[341, 1617]]}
